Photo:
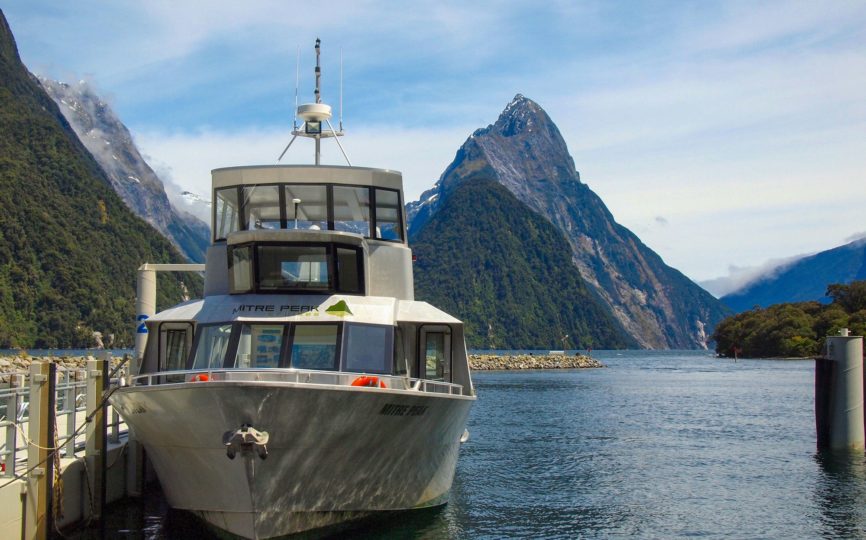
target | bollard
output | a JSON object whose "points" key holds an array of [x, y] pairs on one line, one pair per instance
{"points": [[839, 415], [94, 455], [40, 459], [12, 405]]}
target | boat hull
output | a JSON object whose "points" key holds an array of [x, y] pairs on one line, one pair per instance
{"points": [[335, 453]]}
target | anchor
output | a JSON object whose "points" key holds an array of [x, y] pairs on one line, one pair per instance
{"points": [[246, 439]]}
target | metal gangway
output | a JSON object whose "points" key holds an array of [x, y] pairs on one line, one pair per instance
{"points": [[60, 441]]}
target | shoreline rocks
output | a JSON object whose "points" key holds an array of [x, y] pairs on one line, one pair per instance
{"points": [[20, 364], [488, 362]]}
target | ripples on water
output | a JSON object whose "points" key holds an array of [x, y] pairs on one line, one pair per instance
{"points": [[658, 444]]}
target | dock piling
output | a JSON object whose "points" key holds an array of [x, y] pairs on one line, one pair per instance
{"points": [[97, 382], [839, 416], [38, 517]]}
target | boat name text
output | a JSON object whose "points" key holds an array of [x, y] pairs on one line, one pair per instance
{"points": [[271, 308], [392, 409]]}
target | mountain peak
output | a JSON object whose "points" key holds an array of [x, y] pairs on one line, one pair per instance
{"points": [[8, 48], [520, 116], [524, 152]]}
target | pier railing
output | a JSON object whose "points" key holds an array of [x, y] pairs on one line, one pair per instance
{"points": [[70, 398], [56, 430]]}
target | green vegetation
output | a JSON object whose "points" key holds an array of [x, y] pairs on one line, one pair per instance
{"points": [[69, 247], [795, 329], [507, 273]]}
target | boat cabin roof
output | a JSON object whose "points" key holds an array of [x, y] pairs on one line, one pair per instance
{"points": [[304, 308], [306, 174]]}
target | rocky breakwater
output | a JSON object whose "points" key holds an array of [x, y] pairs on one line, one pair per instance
{"points": [[482, 362], [20, 365]]}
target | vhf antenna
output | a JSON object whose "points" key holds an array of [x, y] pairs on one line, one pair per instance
{"points": [[318, 90], [313, 114], [297, 84]]}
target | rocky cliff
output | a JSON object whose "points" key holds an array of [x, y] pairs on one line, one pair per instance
{"points": [[108, 139], [525, 152]]}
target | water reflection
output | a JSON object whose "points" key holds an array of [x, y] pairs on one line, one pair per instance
{"points": [[840, 493]]}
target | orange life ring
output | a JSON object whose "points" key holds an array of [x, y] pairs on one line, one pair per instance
{"points": [[366, 380], [201, 377]]}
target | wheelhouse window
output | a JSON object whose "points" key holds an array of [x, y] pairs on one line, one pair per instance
{"points": [[259, 346], [213, 342], [227, 212], [293, 267], [306, 207], [368, 348], [314, 346], [299, 268], [352, 209], [369, 211], [262, 207], [389, 222], [241, 269], [349, 270]]}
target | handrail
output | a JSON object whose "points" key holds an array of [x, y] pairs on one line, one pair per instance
{"points": [[69, 412], [292, 375]]}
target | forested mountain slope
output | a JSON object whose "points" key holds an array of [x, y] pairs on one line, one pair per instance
{"points": [[507, 272], [69, 246]]}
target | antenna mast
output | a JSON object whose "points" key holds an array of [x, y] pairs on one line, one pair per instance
{"points": [[313, 114], [297, 84]]}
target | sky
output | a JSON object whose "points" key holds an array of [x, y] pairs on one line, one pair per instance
{"points": [[729, 136]]}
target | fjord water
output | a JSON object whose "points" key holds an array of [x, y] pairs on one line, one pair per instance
{"points": [[657, 444]]}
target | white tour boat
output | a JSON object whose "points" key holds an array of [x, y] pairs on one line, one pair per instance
{"points": [[307, 387]]}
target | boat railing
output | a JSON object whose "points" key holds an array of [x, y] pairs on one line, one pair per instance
{"points": [[299, 376]]}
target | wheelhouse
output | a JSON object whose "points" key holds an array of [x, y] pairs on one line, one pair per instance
{"points": [[372, 212]]}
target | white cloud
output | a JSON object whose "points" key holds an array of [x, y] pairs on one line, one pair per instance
{"points": [[742, 123], [740, 277]]}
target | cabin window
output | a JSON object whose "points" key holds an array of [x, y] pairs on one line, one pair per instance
{"points": [[436, 353], [389, 222], [368, 348], [262, 207], [314, 346], [401, 363], [240, 269], [259, 346], [293, 267], [175, 341], [213, 341], [352, 210], [311, 210], [227, 213]]}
